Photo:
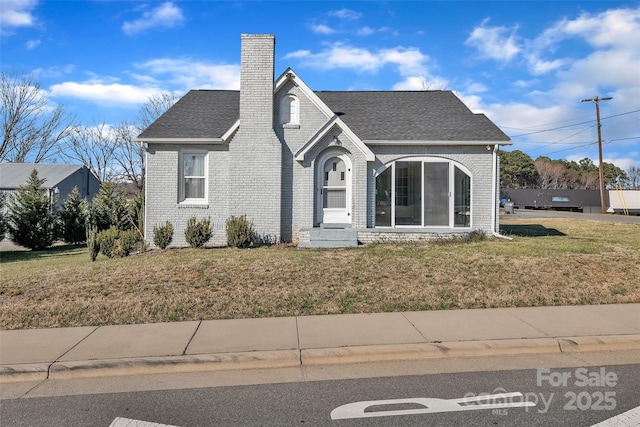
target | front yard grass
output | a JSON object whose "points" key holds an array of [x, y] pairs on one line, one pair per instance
{"points": [[548, 262]]}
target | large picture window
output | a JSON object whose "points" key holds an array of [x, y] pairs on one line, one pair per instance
{"points": [[423, 193], [193, 180]]}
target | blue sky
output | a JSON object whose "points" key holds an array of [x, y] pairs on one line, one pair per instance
{"points": [[527, 65]]}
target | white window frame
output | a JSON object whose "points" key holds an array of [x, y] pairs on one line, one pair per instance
{"points": [[181, 193], [290, 110], [452, 165]]}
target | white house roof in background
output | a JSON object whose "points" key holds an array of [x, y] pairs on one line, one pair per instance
{"points": [[13, 175]]}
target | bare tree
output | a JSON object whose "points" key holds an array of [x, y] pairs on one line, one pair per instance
{"points": [[31, 126], [430, 85], [633, 172], [95, 148], [130, 155], [111, 152], [156, 105]]}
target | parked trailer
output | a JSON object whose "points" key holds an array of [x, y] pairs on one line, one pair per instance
{"points": [[624, 202], [561, 200]]}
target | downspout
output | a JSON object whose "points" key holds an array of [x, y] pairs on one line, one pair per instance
{"points": [[146, 209], [495, 231]]}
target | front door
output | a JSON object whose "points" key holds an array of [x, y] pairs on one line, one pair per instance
{"points": [[335, 191]]}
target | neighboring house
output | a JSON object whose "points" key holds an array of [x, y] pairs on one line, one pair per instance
{"points": [[303, 164], [59, 179]]}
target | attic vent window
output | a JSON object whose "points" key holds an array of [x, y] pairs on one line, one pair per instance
{"points": [[290, 111]]}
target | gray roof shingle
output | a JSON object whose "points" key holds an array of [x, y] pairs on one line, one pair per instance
{"points": [[13, 175], [384, 115], [198, 114], [411, 116]]}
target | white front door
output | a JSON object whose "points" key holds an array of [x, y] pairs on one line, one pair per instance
{"points": [[335, 190]]}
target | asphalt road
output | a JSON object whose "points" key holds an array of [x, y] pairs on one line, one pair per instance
{"points": [[556, 397]]}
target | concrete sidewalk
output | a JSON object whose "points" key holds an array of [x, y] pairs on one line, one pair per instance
{"points": [[61, 353]]}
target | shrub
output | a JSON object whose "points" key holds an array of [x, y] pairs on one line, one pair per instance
{"points": [[198, 233], [74, 218], [126, 242], [33, 222], [163, 235], [92, 243], [240, 232], [477, 236], [108, 209], [108, 241]]}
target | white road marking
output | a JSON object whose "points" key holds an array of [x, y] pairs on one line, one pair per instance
{"points": [[126, 422], [431, 406], [630, 418]]}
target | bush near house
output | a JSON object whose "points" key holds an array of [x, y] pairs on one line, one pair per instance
{"points": [[240, 232], [163, 235], [197, 232], [116, 243]]}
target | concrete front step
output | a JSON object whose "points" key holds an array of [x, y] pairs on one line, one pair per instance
{"points": [[326, 237]]}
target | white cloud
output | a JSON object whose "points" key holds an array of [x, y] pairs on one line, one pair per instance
{"points": [[614, 27], [345, 14], [365, 31], [342, 56], [410, 63], [32, 44], [498, 43], [16, 14], [188, 74], [103, 93], [322, 29], [421, 83], [572, 59], [53, 72], [167, 15]]}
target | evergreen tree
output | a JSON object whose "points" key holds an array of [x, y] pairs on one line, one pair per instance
{"points": [[74, 218], [4, 224], [517, 170], [109, 209], [33, 222]]}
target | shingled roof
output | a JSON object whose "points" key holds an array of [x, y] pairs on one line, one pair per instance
{"points": [[410, 116], [382, 116], [13, 175], [198, 114]]}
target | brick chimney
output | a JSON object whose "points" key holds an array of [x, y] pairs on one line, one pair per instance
{"points": [[256, 80], [255, 152]]}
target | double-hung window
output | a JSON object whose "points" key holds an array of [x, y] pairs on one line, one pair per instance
{"points": [[193, 177]]}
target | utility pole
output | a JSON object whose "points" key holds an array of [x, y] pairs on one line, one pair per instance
{"points": [[596, 100]]}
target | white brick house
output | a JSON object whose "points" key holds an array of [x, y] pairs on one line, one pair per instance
{"points": [[298, 162]]}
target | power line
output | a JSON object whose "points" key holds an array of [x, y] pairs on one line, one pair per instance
{"points": [[570, 125]]}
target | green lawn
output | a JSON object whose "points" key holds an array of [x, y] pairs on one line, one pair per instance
{"points": [[548, 262]]}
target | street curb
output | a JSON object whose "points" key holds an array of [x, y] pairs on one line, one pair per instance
{"points": [[599, 343], [425, 351], [176, 364], [314, 357], [24, 372]]}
